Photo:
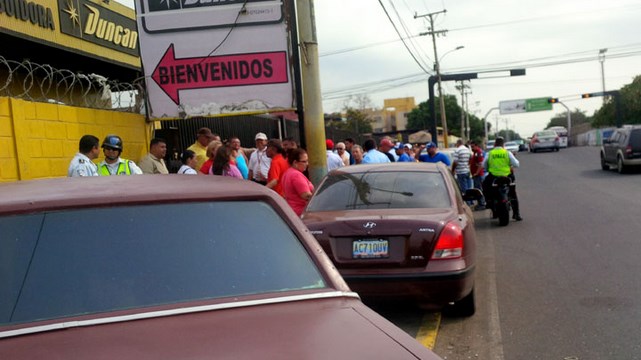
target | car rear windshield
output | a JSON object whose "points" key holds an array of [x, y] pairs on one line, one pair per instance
{"points": [[635, 138], [381, 190], [93, 260]]}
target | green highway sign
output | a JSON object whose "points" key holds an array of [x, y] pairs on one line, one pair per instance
{"points": [[538, 104], [524, 105]]}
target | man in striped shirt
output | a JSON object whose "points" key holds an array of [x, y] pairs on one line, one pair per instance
{"points": [[461, 165]]}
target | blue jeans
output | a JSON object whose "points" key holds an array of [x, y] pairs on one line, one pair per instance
{"points": [[464, 183]]}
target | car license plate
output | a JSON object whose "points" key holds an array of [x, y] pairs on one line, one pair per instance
{"points": [[370, 249]]}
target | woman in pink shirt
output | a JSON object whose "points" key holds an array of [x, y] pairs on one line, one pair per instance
{"points": [[224, 163], [296, 187]]}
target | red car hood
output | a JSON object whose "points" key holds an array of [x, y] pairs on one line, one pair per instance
{"points": [[334, 328]]}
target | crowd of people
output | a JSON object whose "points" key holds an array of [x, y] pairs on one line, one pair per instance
{"points": [[280, 165]]}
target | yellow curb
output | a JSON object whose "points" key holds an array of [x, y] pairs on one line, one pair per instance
{"points": [[429, 329]]}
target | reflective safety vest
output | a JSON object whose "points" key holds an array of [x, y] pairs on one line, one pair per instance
{"points": [[123, 169], [498, 160]]}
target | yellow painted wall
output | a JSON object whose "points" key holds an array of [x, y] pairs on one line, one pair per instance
{"points": [[38, 140]]}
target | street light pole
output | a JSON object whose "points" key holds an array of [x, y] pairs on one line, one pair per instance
{"points": [[602, 60]]}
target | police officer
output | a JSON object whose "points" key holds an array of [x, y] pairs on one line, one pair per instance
{"points": [[113, 163], [81, 165], [499, 162]]}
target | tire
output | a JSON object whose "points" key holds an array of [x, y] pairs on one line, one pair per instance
{"points": [[465, 307], [621, 168], [604, 165], [503, 212]]}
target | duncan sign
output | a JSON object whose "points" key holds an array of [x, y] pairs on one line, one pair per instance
{"points": [[227, 55]]}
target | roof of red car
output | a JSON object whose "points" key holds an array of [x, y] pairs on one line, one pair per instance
{"points": [[35, 195]]}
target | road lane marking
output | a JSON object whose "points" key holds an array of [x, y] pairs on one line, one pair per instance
{"points": [[429, 329]]}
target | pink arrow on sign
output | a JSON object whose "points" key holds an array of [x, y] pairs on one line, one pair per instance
{"points": [[174, 75]]}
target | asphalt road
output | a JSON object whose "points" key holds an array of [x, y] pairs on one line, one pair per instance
{"points": [[562, 284]]}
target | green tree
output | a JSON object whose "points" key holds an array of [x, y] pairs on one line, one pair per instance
{"points": [[356, 120], [630, 106], [420, 119], [578, 117]]}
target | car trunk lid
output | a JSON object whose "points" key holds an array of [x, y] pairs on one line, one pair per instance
{"points": [[384, 238]]}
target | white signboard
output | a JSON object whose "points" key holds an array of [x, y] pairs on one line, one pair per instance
{"points": [[204, 57], [512, 107]]}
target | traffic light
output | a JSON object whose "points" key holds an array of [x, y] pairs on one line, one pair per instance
{"points": [[585, 96], [553, 100]]}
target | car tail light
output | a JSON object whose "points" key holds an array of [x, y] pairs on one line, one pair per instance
{"points": [[628, 150], [450, 244]]}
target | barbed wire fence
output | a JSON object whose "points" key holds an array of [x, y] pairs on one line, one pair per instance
{"points": [[43, 83]]}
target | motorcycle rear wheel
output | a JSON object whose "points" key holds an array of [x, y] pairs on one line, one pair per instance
{"points": [[503, 212]]}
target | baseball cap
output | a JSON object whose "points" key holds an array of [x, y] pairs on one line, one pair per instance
{"points": [[260, 136], [329, 144], [398, 145], [430, 145], [408, 145]]}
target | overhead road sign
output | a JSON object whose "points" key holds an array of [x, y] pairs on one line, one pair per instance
{"points": [[524, 105]]}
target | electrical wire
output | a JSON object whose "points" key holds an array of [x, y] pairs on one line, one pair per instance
{"points": [[401, 37], [417, 48]]}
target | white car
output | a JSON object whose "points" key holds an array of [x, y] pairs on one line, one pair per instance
{"points": [[512, 147], [490, 145]]}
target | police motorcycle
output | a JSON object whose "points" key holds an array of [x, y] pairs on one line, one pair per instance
{"points": [[501, 201]]}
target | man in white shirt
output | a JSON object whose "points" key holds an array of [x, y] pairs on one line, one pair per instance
{"points": [[333, 160], [259, 162], [81, 165]]}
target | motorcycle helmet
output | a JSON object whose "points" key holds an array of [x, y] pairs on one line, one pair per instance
{"points": [[112, 142]]}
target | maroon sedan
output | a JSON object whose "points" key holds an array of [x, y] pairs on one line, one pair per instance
{"points": [[398, 230], [174, 267]]}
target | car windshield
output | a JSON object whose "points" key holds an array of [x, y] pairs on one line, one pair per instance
{"points": [[546, 133], [92, 260], [381, 190]]}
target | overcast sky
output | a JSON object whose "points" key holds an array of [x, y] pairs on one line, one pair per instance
{"points": [[557, 42]]}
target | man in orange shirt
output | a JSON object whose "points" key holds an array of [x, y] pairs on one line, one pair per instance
{"points": [[278, 165]]}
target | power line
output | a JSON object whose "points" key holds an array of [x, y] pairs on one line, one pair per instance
{"points": [[505, 23], [401, 37], [386, 84]]}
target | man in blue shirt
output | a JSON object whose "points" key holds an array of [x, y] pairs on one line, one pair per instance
{"points": [[404, 155], [433, 155], [371, 154]]}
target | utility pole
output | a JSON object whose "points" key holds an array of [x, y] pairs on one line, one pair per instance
{"points": [[467, 115], [310, 73], [462, 89], [507, 131], [437, 68], [465, 131]]}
